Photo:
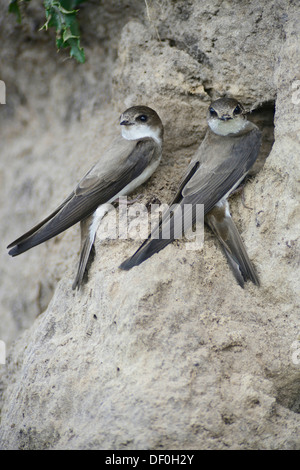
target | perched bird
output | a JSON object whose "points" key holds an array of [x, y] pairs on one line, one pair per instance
{"points": [[228, 151], [129, 162]]}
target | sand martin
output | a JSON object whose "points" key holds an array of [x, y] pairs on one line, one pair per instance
{"points": [[228, 151], [129, 162]]}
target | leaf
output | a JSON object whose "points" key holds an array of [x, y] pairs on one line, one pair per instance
{"points": [[14, 8], [71, 4], [76, 51], [68, 35], [61, 15]]}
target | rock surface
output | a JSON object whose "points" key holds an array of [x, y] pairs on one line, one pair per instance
{"points": [[172, 354]]}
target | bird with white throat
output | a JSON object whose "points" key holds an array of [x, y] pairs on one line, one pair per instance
{"points": [[130, 161]]}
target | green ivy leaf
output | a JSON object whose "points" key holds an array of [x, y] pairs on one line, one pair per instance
{"points": [[76, 51], [61, 15], [71, 4], [13, 7], [68, 35]]}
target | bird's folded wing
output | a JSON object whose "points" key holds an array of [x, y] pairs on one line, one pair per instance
{"points": [[200, 186], [97, 187], [218, 180]]}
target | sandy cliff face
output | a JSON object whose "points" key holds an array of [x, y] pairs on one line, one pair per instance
{"points": [[172, 354]]}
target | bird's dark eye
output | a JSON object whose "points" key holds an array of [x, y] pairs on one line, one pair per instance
{"points": [[142, 118], [237, 110], [213, 112]]}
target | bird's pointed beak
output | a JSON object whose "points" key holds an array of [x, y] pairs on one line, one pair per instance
{"points": [[225, 117], [124, 120]]}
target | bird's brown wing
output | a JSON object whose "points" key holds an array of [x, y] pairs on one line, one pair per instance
{"points": [[205, 187], [97, 187]]}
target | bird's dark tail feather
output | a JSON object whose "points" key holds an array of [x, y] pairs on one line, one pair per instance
{"points": [[36, 238], [170, 227], [19, 249], [86, 258], [146, 250], [235, 253], [33, 240], [38, 234]]}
